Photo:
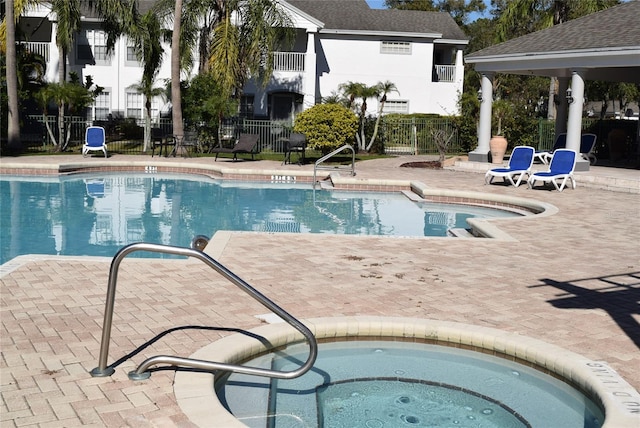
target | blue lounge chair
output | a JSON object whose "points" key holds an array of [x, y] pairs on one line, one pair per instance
{"points": [[562, 165], [520, 164], [95, 188], [544, 156], [587, 145], [94, 139]]}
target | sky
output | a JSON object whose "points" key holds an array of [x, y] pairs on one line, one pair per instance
{"points": [[379, 4]]}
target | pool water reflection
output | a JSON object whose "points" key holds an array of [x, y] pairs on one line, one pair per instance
{"points": [[97, 215]]}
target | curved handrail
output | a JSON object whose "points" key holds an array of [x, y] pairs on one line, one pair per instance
{"points": [[333, 153], [142, 373]]}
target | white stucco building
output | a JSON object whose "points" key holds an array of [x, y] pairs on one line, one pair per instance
{"points": [[337, 41]]}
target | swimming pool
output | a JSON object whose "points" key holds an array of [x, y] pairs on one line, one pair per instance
{"points": [[96, 215]]}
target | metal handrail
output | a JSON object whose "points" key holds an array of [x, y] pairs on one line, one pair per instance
{"points": [[317, 166], [141, 372]]}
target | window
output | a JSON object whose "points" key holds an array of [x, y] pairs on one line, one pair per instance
{"points": [[397, 48], [246, 106], [396, 107], [92, 47], [134, 105], [131, 54], [102, 106]]}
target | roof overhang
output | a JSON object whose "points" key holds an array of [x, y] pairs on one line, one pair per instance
{"points": [[451, 42], [382, 33], [607, 64]]}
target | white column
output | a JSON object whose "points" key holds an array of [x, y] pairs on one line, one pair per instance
{"points": [[481, 153], [54, 57], [574, 124], [309, 76]]}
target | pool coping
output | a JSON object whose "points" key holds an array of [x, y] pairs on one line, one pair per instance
{"points": [[195, 394], [485, 228]]}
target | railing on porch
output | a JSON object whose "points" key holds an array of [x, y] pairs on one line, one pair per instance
{"points": [[288, 61], [39, 48], [446, 73]]}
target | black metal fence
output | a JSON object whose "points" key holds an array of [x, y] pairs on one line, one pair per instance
{"points": [[410, 136]]}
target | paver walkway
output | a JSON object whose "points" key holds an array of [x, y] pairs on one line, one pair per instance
{"points": [[571, 279]]}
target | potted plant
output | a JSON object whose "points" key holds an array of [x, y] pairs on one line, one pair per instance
{"points": [[498, 143]]}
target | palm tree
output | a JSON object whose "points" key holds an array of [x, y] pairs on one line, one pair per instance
{"points": [[176, 104], [146, 37], [351, 90], [14, 9], [68, 22], [384, 88], [354, 90], [242, 48], [148, 89]]}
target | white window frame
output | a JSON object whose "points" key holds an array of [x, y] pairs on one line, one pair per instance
{"points": [[395, 47], [130, 59], [102, 102], [97, 44], [396, 106], [134, 103]]}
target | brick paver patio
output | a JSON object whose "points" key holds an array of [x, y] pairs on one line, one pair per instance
{"points": [[571, 279]]}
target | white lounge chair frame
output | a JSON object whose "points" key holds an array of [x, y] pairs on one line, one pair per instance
{"points": [[512, 170], [91, 146], [565, 175]]}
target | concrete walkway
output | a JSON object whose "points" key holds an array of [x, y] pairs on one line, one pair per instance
{"points": [[571, 279]]}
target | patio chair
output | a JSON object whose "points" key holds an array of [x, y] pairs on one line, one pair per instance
{"points": [[520, 164], [187, 144], [561, 167], [160, 140], [247, 143], [94, 139], [587, 146], [227, 135], [544, 156], [297, 142]]}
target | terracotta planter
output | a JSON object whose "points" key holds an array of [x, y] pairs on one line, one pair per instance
{"points": [[498, 147]]}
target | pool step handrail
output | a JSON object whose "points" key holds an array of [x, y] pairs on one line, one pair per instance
{"points": [[142, 372], [318, 165]]}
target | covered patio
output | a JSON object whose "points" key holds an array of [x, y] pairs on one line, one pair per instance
{"points": [[602, 46]]}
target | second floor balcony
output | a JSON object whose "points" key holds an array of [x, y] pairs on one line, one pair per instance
{"points": [[444, 73], [288, 61], [39, 48]]}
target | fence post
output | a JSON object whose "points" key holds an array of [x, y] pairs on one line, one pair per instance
{"points": [[414, 135]]}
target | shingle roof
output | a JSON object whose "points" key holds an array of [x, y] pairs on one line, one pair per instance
{"points": [[616, 27], [143, 7], [356, 15]]}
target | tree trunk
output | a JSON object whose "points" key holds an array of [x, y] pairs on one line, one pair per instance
{"points": [[176, 103], [376, 126], [147, 125], [62, 77], [13, 129]]}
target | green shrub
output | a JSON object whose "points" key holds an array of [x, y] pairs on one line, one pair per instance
{"points": [[327, 126]]}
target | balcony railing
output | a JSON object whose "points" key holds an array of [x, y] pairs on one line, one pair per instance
{"points": [[446, 73], [288, 61], [40, 48]]}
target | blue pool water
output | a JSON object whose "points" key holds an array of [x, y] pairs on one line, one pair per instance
{"points": [[382, 384], [97, 215]]}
